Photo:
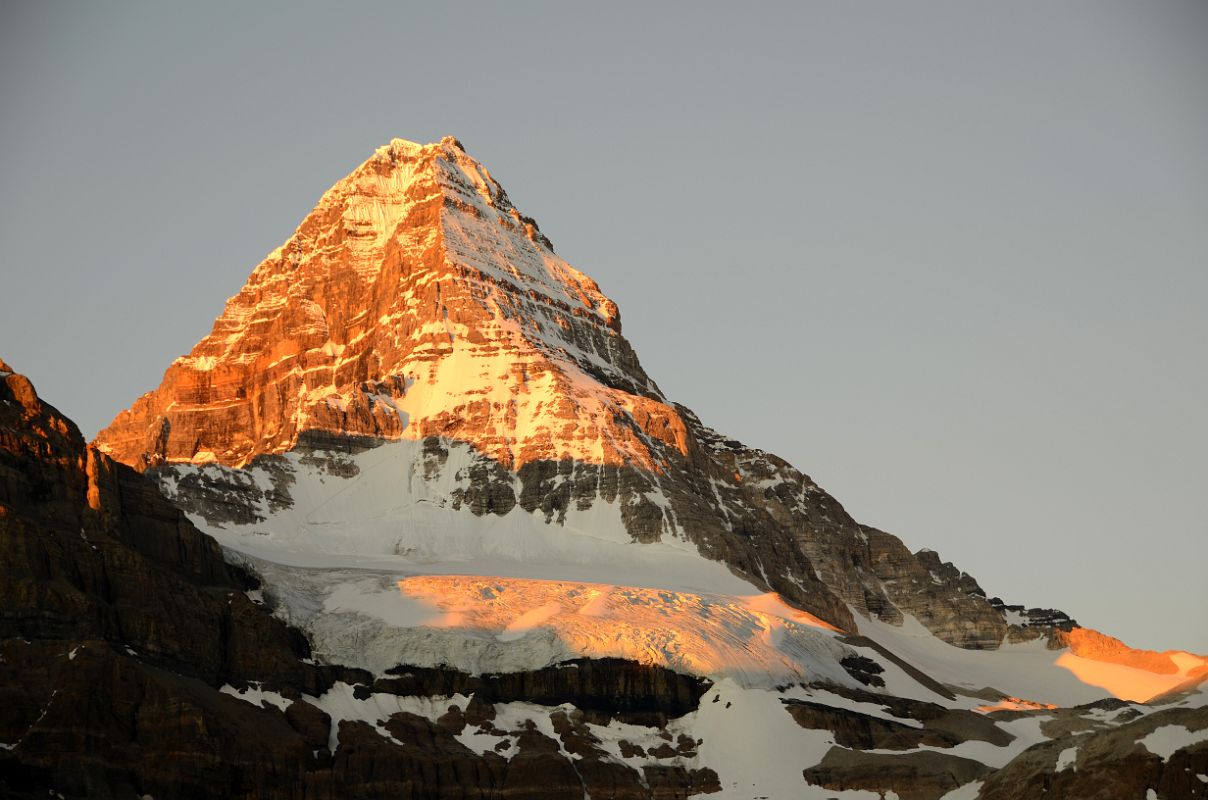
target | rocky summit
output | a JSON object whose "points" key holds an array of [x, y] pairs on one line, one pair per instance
{"points": [[413, 521]]}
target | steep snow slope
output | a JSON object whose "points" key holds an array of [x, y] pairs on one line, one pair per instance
{"points": [[377, 555], [387, 566]]}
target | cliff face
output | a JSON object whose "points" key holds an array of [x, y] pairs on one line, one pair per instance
{"points": [[87, 541]]}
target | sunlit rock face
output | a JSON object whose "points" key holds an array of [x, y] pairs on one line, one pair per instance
{"points": [[416, 303]]}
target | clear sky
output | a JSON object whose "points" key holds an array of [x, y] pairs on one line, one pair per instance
{"points": [[948, 258]]}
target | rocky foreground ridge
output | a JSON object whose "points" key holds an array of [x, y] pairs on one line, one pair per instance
{"points": [[126, 641], [135, 662]]}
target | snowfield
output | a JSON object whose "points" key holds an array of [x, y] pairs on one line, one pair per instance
{"points": [[382, 570]]}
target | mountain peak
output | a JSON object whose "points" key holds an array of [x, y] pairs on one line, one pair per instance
{"points": [[404, 149], [416, 303], [406, 145], [415, 300]]}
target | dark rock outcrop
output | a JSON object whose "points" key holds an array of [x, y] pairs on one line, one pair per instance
{"points": [[922, 775], [120, 624], [601, 687], [91, 551], [941, 727], [1110, 762]]}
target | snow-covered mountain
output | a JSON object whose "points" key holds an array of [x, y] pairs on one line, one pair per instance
{"points": [[425, 432], [416, 304]]}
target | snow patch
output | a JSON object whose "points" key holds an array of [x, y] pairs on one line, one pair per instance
{"points": [[1020, 670], [1013, 617], [969, 791], [257, 696], [1166, 740]]}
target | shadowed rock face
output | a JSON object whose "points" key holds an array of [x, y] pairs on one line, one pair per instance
{"points": [[941, 727], [914, 776], [120, 622], [91, 551], [1110, 762], [603, 687]]}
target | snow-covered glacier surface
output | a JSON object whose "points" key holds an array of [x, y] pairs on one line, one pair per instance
{"points": [[383, 568], [376, 558]]}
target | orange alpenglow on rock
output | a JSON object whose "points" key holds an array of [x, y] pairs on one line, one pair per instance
{"points": [[413, 301], [1126, 672], [702, 634]]}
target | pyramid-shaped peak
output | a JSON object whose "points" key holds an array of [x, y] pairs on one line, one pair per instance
{"points": [[415, 300], [401, 169]]}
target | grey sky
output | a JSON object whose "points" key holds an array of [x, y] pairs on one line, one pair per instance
{"points": [[950, 259]]}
